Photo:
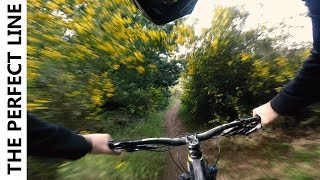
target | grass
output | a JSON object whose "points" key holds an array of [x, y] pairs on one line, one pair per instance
{"points": [[294, 173], [137, 165], [267, 155], [306, 155]]}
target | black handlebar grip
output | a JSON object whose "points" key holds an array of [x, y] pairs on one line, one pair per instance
{"points": [[254, 118], [257, 117], [111, 145]]}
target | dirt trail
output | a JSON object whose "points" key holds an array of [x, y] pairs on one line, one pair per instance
{"points": [[174, 127]]}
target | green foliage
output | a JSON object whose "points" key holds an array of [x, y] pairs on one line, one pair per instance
{"points": [[88, 57], [42, 168], [233, 70]]}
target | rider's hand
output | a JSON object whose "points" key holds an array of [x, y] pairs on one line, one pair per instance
{"points": [[266, 113], [100, 143]]}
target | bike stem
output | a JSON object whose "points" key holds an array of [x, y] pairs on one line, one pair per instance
{"points": [[194, 147]]}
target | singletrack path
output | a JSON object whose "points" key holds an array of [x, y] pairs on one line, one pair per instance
{"points": [[174, 128]]}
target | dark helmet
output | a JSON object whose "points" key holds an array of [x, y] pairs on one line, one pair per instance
{"points": [[163, 11]]}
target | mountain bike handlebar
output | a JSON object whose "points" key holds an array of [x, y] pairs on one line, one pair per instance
{"points": [[240, 127]]}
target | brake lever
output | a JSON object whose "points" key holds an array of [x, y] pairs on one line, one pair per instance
{"points": [[243, 129], [229, 131], [146, 147], [129, 147], [257, 127]]}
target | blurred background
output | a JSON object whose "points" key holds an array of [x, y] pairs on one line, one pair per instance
{"points": [[98, 66]]}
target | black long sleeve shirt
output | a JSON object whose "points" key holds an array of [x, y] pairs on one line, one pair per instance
{"points": [[304, 89], [51, 140]]}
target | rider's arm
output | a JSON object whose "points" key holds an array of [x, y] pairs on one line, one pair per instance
{"points": [[302, 91], [50, 140]]}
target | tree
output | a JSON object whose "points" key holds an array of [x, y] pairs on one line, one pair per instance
{"points": [[233, 70]]}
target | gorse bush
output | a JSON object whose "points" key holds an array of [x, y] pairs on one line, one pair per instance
{"points": [[87, 57], [98, 66], [234, 70]]}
